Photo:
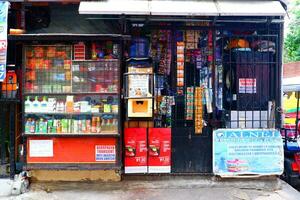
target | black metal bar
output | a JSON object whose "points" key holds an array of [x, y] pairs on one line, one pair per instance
{"points": [[254, 75], [12, 122], [121, 103], [23, 139], [66, 37], [278, 75], [214, 90], [2, 133], [285, 137]]}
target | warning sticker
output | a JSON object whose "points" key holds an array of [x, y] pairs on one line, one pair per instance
{"points": [[105, 153], [247, 85]]}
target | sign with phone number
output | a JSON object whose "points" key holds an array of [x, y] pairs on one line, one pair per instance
{"points": [[3, 38], [247, 151], [105, 153]]}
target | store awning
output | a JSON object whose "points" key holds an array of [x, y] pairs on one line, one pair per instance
{"points": [[184, 8], [114, 7], [250, 8], [188, 8], [291, 84]]}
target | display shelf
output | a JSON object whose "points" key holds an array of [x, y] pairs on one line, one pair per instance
{"points": [[68, 113], [152, 97], [139, 59], [102, 134], [132, 73], [99, 60]]}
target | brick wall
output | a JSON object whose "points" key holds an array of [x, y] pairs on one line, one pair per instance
{"points": [[291, 70]]}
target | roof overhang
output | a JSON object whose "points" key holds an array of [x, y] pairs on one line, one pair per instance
{"points": [[183, 8], [291, 84], [250, 8], [65, 37]]}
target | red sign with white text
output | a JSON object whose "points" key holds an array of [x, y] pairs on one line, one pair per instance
{"points": [[135, 150], [159, 142]]}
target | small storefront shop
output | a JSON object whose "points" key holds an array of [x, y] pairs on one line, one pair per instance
{"points": [[151, 94]]}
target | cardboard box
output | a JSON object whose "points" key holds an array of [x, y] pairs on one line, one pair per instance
{"points": [[135, 141], [159, 150]]}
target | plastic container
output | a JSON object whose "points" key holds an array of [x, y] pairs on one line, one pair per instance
{"points": [[139, 48]]}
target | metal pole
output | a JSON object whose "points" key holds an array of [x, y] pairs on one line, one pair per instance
{"points": [[12, 139], [2, 134]]}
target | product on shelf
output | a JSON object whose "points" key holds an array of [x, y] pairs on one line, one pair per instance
{"points": [[191, 37], [79, 51], [69, 105], [36, 105], [72, 96], [161, 50], [66, 126], [48, 69], [95, 76], [180, 67], [198, 110], [28, 105], [189, 103]]}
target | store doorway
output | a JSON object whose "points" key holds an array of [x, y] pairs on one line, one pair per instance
{"points": [[192, 67]]}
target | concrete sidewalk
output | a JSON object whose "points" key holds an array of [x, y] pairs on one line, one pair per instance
{"points": [[188, 188], [5, 187]]}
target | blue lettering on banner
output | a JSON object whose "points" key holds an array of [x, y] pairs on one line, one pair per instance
{"points": [[105, 153], [247, 151], [2, 72]]}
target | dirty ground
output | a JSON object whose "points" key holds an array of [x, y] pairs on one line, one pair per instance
{"points": [[174, 188]]}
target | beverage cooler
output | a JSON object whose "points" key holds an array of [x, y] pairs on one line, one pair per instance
{"points": [[71, 105]]}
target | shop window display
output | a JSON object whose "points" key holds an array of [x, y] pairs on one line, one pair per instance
{"points": [[72, 89]]}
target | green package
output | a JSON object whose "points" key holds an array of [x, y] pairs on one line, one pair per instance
{"points": [[64, 125], [37, 127], [53, 129], [70, 125], [50, 125], [43, 126]]}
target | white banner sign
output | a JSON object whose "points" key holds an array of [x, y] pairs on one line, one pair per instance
{"points": [[247, 85], [3, 38], [40, 148]]}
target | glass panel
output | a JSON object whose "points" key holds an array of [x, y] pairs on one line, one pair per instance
{"points": [[48, 69], [65, 96]]}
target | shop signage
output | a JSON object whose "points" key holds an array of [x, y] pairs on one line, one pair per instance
{"points": [[138, 85], [105, 153], [247, 151], [41, 148], [247, 85], [3, 38]]}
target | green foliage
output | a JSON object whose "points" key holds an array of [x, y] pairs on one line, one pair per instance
{"points": [[292, 40]]}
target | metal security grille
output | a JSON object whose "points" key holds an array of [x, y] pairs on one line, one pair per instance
{"points": [[7, 138], [249, 65], [9, 100]]}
